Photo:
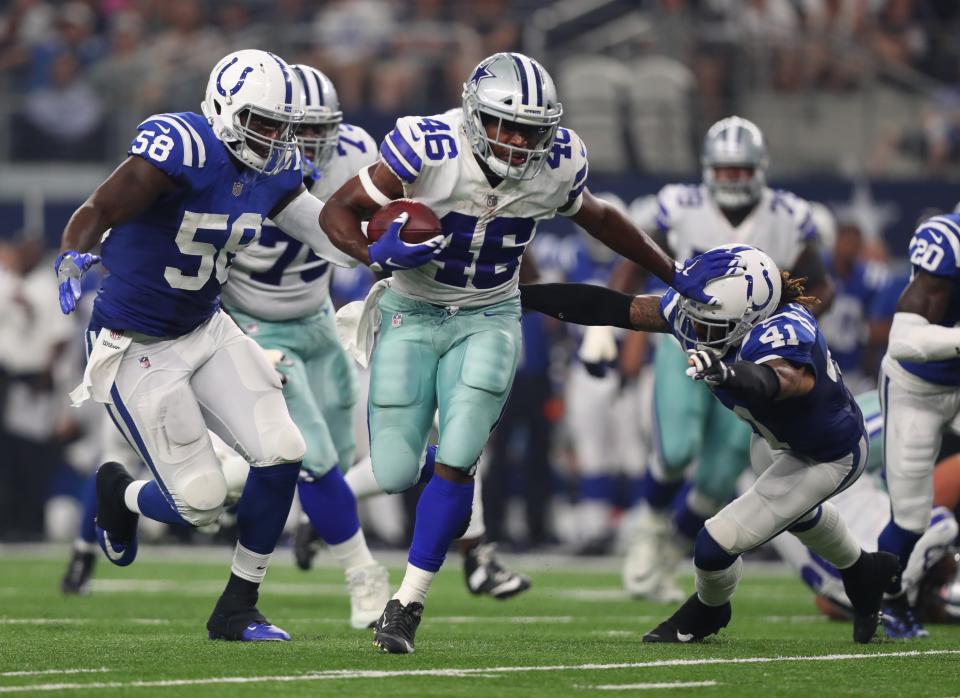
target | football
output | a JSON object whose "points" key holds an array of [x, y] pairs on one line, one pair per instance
{"points": [[422, 225]]}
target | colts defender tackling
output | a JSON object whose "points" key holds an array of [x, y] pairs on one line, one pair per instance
{"points": [[763, 357], [449, 328]]}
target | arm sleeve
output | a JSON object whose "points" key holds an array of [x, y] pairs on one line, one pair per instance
{"points": [[581, 304], [403, 150], [567, 139], [299, 219], [913, 338], [790, 335], [169, 143], [935, 247]]}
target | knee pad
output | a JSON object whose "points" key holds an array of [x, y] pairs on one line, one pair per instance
{"points": [[722, 532], [395, 468], [200, 495], [279, 440], [709, 555]]}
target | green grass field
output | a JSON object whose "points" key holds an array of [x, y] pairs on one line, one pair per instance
{"points": [[141, 632]]}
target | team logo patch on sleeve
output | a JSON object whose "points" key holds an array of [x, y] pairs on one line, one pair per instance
{"points": [[144, 362]]}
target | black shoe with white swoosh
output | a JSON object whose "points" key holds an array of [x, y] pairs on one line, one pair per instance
{"points": [[397, 626], [692, 622], [485, 574], [116, 526]]}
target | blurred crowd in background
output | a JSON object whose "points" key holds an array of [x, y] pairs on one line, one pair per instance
{"points": [[854, 88]]}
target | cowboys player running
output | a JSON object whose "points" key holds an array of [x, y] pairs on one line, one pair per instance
{"points": [[919, 379], [162, 356], [449, 331], [763, 357], [279, 294], [732, 204]]}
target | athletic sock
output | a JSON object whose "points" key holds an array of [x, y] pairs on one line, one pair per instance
{"points": [[353, 552], [900, 542], [88, 532], [330, 505], [264, 505], [656, 493], [416, 583], [825, 533], [146, 497]]}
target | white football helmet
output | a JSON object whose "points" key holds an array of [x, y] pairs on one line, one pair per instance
{"points": [[735, 142], [745, 301], [510, 87], [321, 107], [254, 106]]}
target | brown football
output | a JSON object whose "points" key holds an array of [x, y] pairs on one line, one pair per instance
{"points": [[422, 225]]}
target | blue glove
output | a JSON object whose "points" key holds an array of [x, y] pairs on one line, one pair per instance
{"points": [[70, 266], [690, 277], [390, 253]]}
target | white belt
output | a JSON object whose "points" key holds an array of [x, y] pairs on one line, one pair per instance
{"points": [[102, 366]]}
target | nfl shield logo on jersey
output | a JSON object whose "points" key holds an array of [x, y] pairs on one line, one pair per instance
{"points": [[397, 319], [116, 334], [237, 188], [492, 200], [144, 362]]}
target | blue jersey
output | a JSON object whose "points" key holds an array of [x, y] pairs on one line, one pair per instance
{"points": [[822, 425], [935, 250], [168, 263], [845, 324]]}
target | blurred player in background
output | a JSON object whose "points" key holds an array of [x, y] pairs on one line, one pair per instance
{"points": [[763, 357], [732, 204], [279, 294], [449, 334], [846, 325], [865, 506], [162, 356], [919, 392]]}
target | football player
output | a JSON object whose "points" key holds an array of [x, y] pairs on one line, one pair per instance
{"points": [[162, 356], [763, 357], [919, 379], [865, 506], [449, 330], [732, 204], [279, 294]]}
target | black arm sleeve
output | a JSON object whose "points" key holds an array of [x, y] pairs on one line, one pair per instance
{"points": [[582, 304], [754, 383]]}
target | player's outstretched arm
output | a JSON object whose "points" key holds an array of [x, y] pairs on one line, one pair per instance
{"points": [[587, 304], [297, 215], [354, 202], [913, 335], [616, 231], [127, 192]]}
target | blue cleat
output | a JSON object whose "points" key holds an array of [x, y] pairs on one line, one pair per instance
{"points": [[116, 526], [256, 632], [900, 621]]}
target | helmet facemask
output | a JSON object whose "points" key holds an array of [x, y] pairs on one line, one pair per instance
{"points": [[735, 193], [736, 143], [713, 334], [264, 153], [318, 138], [511, 161]]}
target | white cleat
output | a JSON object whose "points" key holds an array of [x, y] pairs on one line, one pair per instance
{"points": [[369, 588], [653, 555]]}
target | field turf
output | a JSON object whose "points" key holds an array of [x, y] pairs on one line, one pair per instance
{"points": [[141, 633]]}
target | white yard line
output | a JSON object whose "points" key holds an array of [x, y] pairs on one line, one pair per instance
{"points": [[47, 672], [649, 686], [163, 586], [342, 674]]}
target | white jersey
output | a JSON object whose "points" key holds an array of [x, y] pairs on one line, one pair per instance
{"points": [[865, 508], [488, 227], [781, 224], [278, 278]]}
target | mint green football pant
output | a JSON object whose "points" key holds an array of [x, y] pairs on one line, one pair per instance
{"points": [[691, 424], [321, 383], [460, 361]]}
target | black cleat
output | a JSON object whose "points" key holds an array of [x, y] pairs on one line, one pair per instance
{"points": [[485, 575], [306, 544], [864, 584], [236, 618], [116, 526], [76, 581], [397, 626], [692, 622]]}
